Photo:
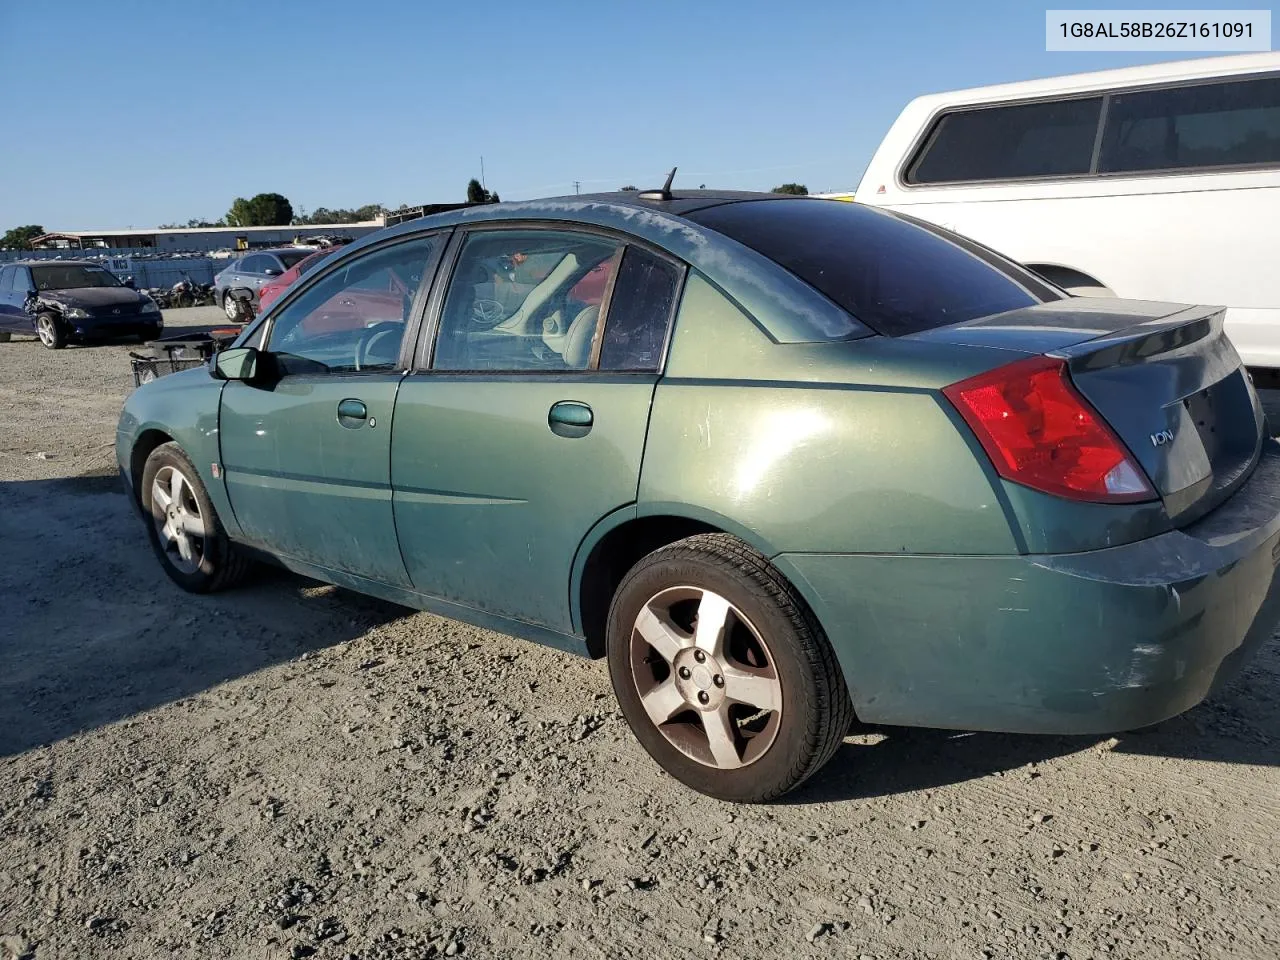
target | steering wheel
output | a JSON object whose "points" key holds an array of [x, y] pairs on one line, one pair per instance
{"points": [[377, 333], [487, 312]]}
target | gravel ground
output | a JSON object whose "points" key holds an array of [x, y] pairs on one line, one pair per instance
{"points": [[291, 770]]}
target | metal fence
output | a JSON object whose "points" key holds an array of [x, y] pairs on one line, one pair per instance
{"points": [[141, 263]]}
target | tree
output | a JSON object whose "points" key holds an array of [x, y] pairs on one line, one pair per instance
{"points": [[19, 238], [478, 194], [795, 189], [264, 210], [628, 188], [370, 211]]}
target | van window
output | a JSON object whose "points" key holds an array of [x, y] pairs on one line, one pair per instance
{"points": [[1234, 123], [894, 276], [1010, 142]]}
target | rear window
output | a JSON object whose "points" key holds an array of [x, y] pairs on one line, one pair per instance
{"points": [[291, 257], [893, 275], [1010, 142]]}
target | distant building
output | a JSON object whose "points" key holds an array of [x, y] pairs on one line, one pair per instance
{"points": [[199, 239]]}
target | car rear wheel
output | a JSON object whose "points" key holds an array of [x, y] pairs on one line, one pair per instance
{"points": [[722, 671], [49, 330], [230, 307], [184, 528]]}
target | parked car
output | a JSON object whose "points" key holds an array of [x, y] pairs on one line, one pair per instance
{"points": [[1160, 182], [805, 460], [251, 271], [268, 292], [68, 301]]}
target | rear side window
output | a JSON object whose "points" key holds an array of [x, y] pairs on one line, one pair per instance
{"points": [[1010, 142], [1208, 125], [892, 275], [253, 264]]}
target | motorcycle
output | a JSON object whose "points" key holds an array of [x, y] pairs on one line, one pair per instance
{"points": [[187, 293]]}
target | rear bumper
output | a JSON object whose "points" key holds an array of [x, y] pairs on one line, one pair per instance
{"points": [[1083, 643]]}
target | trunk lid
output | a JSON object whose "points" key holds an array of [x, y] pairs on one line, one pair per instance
{"points": [[1164, 376]]}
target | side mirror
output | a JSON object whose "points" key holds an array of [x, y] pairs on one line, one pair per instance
{"points": [[235, 363], [128, 282]]}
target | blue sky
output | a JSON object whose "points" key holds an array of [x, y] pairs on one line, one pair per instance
{"points": [[133, 113]]}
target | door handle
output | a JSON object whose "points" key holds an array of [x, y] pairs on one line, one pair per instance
{"points": [[352, 413], [570, 418]]}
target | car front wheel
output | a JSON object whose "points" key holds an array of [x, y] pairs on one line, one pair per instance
{"points": [[722, 671], [230, 308], [49, 330], [183, 526]]}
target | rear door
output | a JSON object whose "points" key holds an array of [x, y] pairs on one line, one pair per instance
{"points": [[306, 447], [529, 425]]}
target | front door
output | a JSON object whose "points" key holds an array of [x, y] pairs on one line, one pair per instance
{"points": [[306, 445], [530, 425]]}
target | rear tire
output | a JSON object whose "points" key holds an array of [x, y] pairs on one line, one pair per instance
{"points": [[747, 708], [185, 532], [50, 331]]}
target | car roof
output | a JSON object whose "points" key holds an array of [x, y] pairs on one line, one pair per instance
{"points": [[780, 302]]}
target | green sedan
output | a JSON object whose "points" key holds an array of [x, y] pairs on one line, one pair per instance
{"points": [[782, 461]]}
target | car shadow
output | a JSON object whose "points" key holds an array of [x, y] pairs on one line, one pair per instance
{"points": [[93, 632], [1240, 724]]}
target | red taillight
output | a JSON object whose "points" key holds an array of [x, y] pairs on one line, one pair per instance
{"points": [[1040, 432]]}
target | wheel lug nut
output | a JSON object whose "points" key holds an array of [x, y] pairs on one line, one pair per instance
{"points": [[684, 673], [699, 655], [718, 680], [702, 696]]}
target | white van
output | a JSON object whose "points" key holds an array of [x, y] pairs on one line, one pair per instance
{"points": [[1158, 183]]}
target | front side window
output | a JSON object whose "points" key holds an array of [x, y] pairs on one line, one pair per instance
{"points": [[525, 300], [73, 276], [892, 275], [1010, 142], [6, 278], [1236, 123], [353, 319]]}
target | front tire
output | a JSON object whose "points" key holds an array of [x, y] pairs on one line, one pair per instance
{"points": [[722, 672], [49, 330], [230, 308], [4, 336], [184, 528]]}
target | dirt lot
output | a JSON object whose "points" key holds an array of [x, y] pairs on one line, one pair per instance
{"points": [[291, 770]]}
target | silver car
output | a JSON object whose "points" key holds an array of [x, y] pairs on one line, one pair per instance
{"points": [[251, 271]]}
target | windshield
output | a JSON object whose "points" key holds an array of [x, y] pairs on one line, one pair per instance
{"points": [[313, 261], [893, 274], [289, 258], [72, 276]]}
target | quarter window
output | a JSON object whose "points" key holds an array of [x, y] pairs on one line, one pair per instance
{"points": [[525, 300], [1010, 142], [639, 312], [355, 318], [1206, 125]]}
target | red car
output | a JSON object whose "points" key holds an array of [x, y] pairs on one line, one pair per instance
{"points": [[272, 289]]}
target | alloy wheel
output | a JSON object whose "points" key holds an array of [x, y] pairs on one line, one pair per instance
{"points": [[46, 331], [178, 521], [705, 677], [230, 307]]}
